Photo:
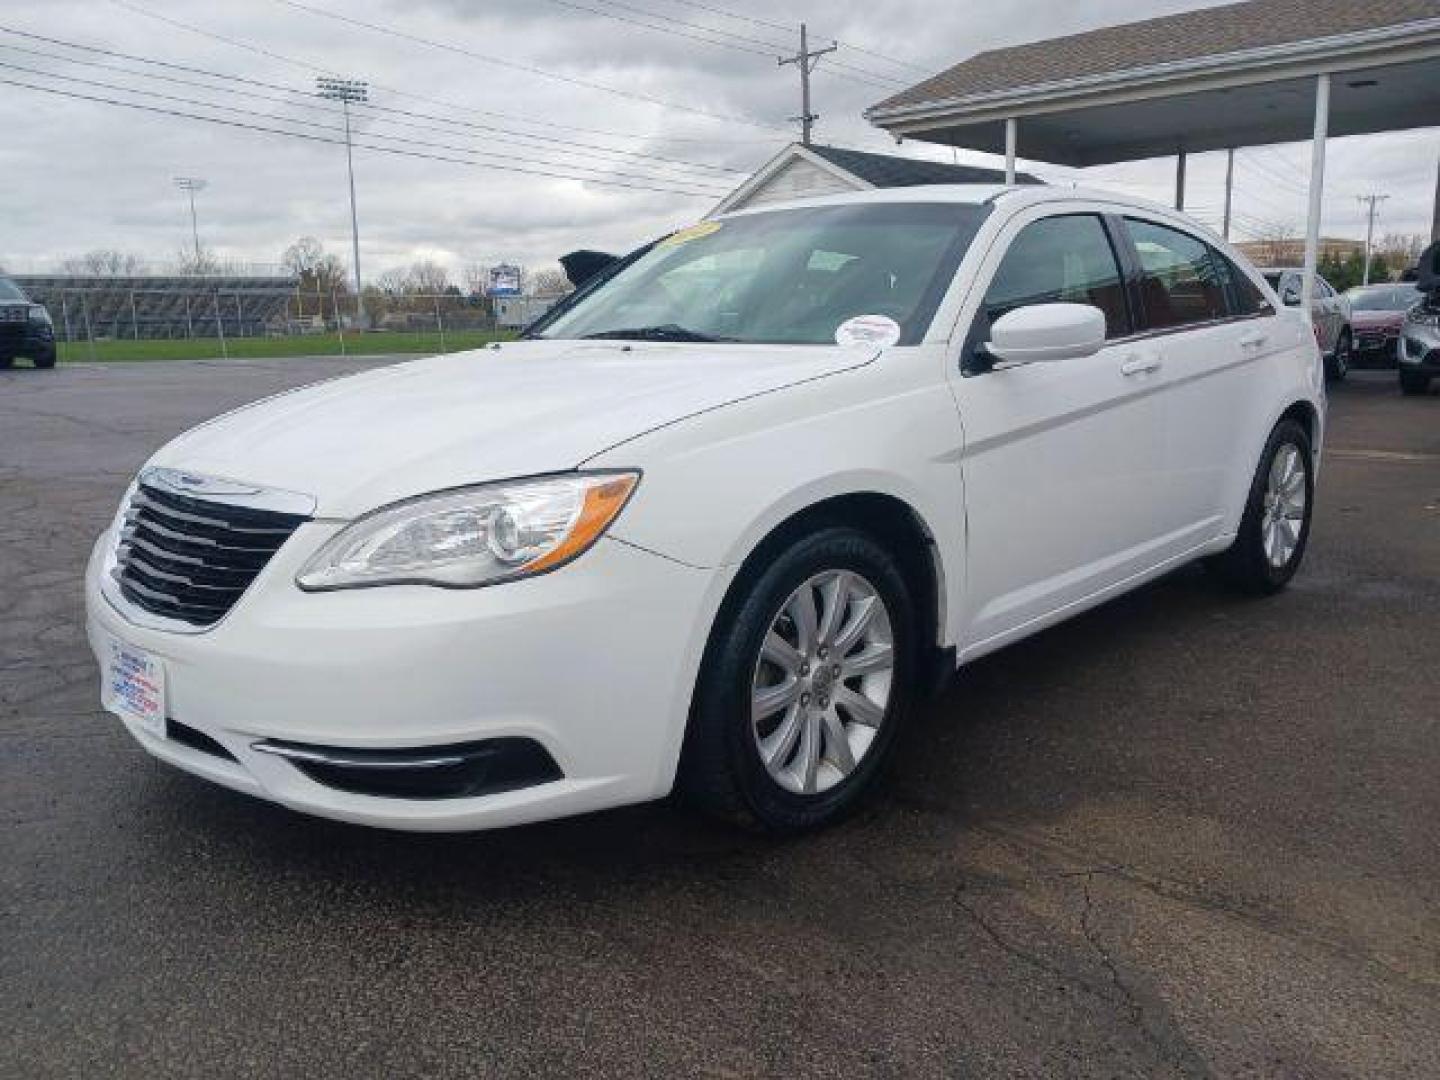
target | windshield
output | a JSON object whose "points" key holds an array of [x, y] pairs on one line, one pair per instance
{"points": [[808, 276], [10, 291], [1384, 298]]}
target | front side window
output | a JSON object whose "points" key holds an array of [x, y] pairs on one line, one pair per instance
{"points": [[1065, 259], [783, 277], [1180, 282]]}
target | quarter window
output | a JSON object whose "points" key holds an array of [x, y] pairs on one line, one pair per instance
{"points": [[1059, 259], [1180, 282], [1245, 296]]}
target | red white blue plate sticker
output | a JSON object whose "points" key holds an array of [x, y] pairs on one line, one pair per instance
{"points": [[134, 687], [876, 331]]}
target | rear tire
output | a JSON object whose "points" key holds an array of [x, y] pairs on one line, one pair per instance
{"points": [[1414, 382], [5, 362], [46, 360], [1275, 527], [1338, 364], [808, 675]]}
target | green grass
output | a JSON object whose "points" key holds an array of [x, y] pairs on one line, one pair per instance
{"points": [[124, 351]]}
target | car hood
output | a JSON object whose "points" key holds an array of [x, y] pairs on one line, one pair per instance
{"points": [[526, 408]]}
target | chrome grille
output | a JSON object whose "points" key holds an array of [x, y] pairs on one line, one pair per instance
{"points": [[191, 559]]}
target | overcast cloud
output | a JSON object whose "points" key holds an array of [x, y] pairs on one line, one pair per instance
{"points": [[79, 175]]}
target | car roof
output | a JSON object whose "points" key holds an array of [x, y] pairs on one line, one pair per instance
{"points": [[1012, 196]]}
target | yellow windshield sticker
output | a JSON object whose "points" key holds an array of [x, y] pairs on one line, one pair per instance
{"points": [[693, 232]]}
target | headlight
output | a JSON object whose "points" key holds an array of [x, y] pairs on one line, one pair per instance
{"points": [[473, 536]]}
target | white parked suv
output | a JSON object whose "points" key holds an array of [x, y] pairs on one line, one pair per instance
{"points": [[718, 521]]}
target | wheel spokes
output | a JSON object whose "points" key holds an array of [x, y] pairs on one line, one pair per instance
{"points": [[837, 744], [778, 745], [860, 708], [768, 700], [878, 656], [781, 653]]}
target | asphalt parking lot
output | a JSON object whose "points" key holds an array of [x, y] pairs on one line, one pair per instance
{"points": [[1184, 835]]}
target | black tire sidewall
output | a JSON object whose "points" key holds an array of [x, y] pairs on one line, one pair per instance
{"points": [[1257, 570], [723, 703]]}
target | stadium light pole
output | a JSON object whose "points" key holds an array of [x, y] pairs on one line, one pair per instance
{"points": [[348, 91], [190, 185]]}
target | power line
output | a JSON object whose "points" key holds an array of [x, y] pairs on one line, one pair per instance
{"points": [[364, 146], [532, 69], [500, 134], [195, 103], [791, 29], [742, 43], [313, 68]]}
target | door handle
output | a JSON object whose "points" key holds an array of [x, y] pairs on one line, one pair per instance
{"points": [[1253, 341], [1139, 365]]}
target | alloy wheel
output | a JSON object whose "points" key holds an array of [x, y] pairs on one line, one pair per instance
{"points": [[1286, 503], [822, 682]]}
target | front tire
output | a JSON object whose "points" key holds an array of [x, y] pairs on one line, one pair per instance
{"points": [[808, 676], [45, 361], [1414, 382], [1338, 365], [1275, 527]]}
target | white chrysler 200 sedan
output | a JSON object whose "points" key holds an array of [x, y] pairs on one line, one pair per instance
{"points": [[717, 522]]}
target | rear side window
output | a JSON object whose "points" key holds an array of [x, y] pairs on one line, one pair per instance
{"points": [[1059, 259], [1180, 282]]}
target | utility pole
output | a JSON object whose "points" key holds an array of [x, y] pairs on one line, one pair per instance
{"points": [[190, 185], [1373, 201], [348, 91], [806, 60]]}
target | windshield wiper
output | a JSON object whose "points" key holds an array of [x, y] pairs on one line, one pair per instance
{"points": [[667, 332]]}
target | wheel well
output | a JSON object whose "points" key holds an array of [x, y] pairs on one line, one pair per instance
{"points": [[1303, 413], [890, 521]]}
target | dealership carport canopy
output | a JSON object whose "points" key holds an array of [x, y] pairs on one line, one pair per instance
{"points": [[1263, 71]]}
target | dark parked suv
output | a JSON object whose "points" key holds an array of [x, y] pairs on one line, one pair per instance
{"points": [[25, 328]]}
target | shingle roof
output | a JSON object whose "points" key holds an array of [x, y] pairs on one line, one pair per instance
{"points": [[1190, 35], [885, 171]]}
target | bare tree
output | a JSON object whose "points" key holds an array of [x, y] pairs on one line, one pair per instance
{"points": [[427, 277], [1400, 250], [550, 282], [194, 263], [316, 269], [103, 262]]}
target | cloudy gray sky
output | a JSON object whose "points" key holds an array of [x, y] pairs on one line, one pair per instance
{"points": [[79, 174]]}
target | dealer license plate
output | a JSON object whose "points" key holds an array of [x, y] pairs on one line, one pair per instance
{"points": [[134, 687]]}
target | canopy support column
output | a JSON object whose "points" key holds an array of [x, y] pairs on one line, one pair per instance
{"points": [[1317, 189], [1229, 189], [1010, 139], [1180, 180]]}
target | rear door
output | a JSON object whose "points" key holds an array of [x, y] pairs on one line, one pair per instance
{"points": [[1211, 328], [1062, 461]]}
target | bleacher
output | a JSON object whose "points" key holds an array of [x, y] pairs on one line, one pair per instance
{"points": [[84, 306]]}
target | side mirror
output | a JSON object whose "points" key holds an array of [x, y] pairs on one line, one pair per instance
{"points": [[1043, 333], [1291, 296]]}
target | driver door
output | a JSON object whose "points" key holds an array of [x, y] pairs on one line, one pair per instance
{"points": [[1063, 462]]}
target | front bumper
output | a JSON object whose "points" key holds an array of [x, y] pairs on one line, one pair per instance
{"points": [[595, 663], [26, 339], [1419, 348]]}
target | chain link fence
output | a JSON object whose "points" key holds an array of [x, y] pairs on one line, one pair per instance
{"points": [[143, 319]]}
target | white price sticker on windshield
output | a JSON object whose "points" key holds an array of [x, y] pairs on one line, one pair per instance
{"points": [[876, 331]]}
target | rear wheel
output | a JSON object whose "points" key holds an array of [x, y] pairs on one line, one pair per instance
{"points": [[1338, 366], [1276, 524], [1414, 382], [5, 362], [45, 360], [807, 677]]}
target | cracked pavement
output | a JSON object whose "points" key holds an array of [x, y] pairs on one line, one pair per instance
{"points": [[1184, 835]]}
